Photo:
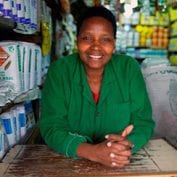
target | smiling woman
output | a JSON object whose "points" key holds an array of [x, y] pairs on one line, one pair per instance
{"points": [[94, 102], [96, 43]]}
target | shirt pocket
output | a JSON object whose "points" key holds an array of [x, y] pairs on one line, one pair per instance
{"points": [[118, 116]]}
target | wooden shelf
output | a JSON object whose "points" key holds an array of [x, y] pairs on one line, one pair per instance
{"points": [[27, 96], [7, 24], [32, 136], [11, 35]]}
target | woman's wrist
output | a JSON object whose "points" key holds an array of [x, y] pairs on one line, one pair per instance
{"points": [[86, 151]]}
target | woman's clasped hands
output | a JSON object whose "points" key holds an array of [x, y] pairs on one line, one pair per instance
{"points": [[115, 151]]}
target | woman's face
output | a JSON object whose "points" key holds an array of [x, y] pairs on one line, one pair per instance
{"points": [[96, 42]]}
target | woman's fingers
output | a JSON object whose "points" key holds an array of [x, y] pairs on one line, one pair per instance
{"points": [[127, 131], [114, 137], [124, 144], [119, 154], [112, 154], [119, 160]]}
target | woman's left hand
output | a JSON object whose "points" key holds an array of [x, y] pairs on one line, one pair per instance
{"points": [[120, 150]]}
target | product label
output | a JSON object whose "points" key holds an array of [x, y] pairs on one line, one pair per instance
{"points": [[3, 56], [7, 126], [22, 119]]}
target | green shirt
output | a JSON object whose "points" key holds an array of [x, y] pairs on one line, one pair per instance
{"points": [[70, 116]]}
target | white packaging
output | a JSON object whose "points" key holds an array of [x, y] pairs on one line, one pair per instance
{"points": [[9, 128], [1, 7], [32, 68], [10, 61], [2, 151], [38, 65], [3, 99], [20, 16], [33, 7], [27, 54], [4, 146], [14, 10], [7, 9], [35, 67], [22, 55], [22, 119], [30, 65], [17, 131], [30, 119], [161, 82], [27, 16], [27, 69]]}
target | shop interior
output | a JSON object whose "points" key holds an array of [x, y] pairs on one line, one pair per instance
{"points": [[42, 31]]}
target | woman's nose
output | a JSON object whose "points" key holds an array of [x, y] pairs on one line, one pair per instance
{"points": [[96, 44]]}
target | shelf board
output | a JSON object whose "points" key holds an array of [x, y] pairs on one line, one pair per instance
{"points": [[6, 24], [7, 27], [32, 136], [27, 96], [13, 36]]}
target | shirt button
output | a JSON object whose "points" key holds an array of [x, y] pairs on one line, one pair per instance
{"points": [[97, 114]]}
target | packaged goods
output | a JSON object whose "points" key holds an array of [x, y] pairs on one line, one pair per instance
{"points": [[3, 141], [9, 126], [7, 10], [10, 60], [14, 115], [30, 119], [20, 69], [1, 7], [14, 10], [20, 110], [161, 81]]}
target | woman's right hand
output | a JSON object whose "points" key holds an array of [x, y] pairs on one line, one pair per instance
{"points": [[113, 153], [109, 153]]}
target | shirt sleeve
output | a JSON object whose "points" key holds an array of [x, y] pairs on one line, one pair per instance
{"points": [[53, 121], [141, 110]]}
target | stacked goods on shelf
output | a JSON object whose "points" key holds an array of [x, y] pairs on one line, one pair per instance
{"points": [[66, 29], [3, 141], [23, 67], [20, 69], [14, 124], [65, 38], [143, 29], [155, 36], [23, 13], [46, 30], [173, 36], [141, 53]]}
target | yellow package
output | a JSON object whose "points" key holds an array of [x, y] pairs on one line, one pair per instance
{"points": [[173, 14]]}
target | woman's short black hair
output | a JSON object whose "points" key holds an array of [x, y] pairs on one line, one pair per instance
{"points": [[97, 11]]}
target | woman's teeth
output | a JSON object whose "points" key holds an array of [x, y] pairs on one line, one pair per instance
{"points": [[95, 56]]}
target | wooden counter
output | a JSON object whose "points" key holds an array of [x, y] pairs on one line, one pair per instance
{"points": [[156, 159]]}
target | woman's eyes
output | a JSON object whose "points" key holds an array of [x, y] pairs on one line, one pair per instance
{"points": [[102, 40], [106, 39], [87, 38]]}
